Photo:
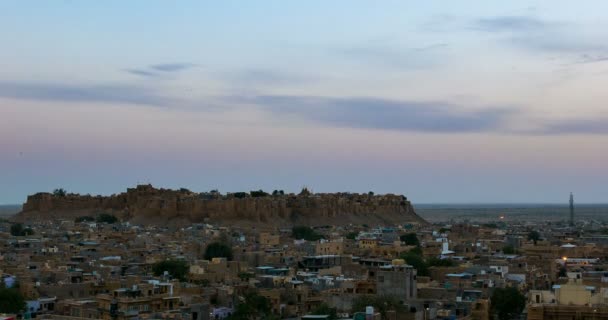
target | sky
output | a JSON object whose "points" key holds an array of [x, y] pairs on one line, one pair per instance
{"points": [[442, 101]]}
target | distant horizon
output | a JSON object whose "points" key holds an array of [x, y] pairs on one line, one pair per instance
{"points": [[450, 204], [315, 190], [455, 204]]}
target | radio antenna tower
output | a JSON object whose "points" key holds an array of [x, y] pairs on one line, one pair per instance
{"points": [[571, 209]]}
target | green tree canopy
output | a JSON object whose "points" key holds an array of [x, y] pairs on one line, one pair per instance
{"points": [[508, 250], [11, 300], [436, 262], [253, 307], [177, 268], [416, 261], [18, 230], [107, 218], [410, 239], [352, 235], [218, 250], [259, 193], [60, 192], [534, 236], [507, 303], [240, 195], [305, 192], [416, 250], [325, 309], [306, 233], [278, 193]]}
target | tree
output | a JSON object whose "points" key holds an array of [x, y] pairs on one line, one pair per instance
{"points": [[417, 251], [11, 300], [507, 303], [352, 235], [325, 309], [240, 195], [306, 233], [436, 262], [177, 268], [534, 236], [305, 192], [218, 250], [60, 192], [508, 250], [254, 306], [18, 230], [107, 218], [258, 194], [245, 276], [410, 239], [417, 262]]}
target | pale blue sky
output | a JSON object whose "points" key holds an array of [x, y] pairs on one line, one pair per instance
{"points": [[468, 101]]}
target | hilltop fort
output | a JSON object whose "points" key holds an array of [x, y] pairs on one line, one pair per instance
{"points": [[146, 204]]}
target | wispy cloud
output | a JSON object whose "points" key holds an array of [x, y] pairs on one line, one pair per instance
{"points": [[377, 113], [172, 67], [83, 93], [534, 34], [350, 112], [394, 56], [142, 72], [589, 58], [576, 126], [267, 77], [431, 47], [510, 23], [158, 70]]}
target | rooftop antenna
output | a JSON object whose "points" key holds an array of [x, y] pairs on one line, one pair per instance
{"points": [[571, 209]]}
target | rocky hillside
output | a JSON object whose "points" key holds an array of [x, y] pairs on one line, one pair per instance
{"points": [[146, 204]]}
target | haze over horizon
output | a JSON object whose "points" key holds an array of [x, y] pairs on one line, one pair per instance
{"points": [[442, 102]]}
